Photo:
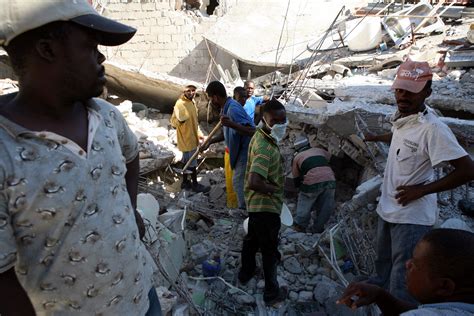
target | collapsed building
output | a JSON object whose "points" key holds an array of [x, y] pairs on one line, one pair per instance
{"points": [[334, 92]]}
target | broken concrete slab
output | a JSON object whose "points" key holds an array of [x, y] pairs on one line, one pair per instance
{"points": [[400, 25], [159, 91], [447, 95], [460, 58]]}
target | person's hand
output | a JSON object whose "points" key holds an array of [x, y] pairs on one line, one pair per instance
{"points": [[204, 146], [226, 121], [369, 137], [202, 139], [408, 193], [140, 225], [359, 294]]}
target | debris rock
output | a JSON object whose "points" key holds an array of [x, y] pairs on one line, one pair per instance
{"points": [[305, 296], [245, 299], [200, 252], [456, 223], [467, 207], [293, 296], [167, 299], [324, 290], [292, 265]]}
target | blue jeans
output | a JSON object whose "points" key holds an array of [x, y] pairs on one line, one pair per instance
{"points": [[187, 155], [321, 201], [155, 308], [239, 178], [395, 245]]}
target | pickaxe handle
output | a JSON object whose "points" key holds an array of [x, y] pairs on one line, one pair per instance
{"points": [[196, 153]]}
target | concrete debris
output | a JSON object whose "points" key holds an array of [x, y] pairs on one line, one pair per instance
{"points": [[460, 58], [470, 34], [466, 206], [167, 299], [8, 86], [456, 223], [333, 99], [400, 26], [292, 265], [153, 140], [325, 289]]}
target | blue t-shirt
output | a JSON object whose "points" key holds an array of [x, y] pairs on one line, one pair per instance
{"points": [[251, 104], [236, 142]]}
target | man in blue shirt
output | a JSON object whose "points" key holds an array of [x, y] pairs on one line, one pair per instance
{"points": [[238, 129], [240, 95], [252, 101]]}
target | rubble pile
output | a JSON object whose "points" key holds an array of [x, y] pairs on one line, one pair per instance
{"points": [[156, 149], [333, 103], [334, 99]]}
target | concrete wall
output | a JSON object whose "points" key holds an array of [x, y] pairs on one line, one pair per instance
{"points": [[168, 40]]}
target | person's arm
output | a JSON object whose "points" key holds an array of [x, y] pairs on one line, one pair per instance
{"points": [[386, 138], [246, 130], [131, 179], [295, 171], [259, 184], [14, 299], [463, 173], [297, 181], [362, 294], [258, 170], [216, 139], [181, 112]]}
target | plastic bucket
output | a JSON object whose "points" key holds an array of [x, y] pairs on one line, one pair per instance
{"points": [[149, 207], [285, 216], [363, 34], [246, 226]]}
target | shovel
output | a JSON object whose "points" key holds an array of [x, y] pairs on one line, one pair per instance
{"points": [[198, 150]]}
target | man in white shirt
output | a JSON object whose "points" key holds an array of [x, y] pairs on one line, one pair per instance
{"points": [[419, 141]]}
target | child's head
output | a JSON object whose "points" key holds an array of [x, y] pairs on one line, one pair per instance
{"points": [[441, 267], [240, 95]]}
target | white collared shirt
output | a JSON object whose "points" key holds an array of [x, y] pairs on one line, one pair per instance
{"points": [[416, 148]]}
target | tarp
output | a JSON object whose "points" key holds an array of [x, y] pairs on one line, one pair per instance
{"points": [[251, 30]]}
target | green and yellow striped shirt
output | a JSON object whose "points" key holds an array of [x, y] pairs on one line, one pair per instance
{"points": [[265, 159]]}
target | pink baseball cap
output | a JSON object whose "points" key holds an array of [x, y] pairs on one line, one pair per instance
{"points": [[412, 76]]}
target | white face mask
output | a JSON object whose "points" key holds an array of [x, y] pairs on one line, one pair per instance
{"points": [[278, 131]]}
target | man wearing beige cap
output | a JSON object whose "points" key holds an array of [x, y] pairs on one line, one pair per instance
{"points": [[189, 135], [69, 242], [407, 209]]}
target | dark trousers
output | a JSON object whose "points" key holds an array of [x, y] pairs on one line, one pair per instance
{"points": [[155, 308], [262, 234]]}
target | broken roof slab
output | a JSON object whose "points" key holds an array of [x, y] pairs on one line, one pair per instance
{"points": [[252, 35], [157, 90]]}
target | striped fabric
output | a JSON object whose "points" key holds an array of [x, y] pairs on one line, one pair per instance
{"points": [[265, 159], [312, 168]]}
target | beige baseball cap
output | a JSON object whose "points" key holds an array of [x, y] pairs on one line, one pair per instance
{"points": [[20, 16]]}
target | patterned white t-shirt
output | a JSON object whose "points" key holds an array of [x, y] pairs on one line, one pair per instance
{"points": [[66, 221]]}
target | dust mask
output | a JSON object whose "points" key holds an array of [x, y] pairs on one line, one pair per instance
{"points": [[278, 131]]}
